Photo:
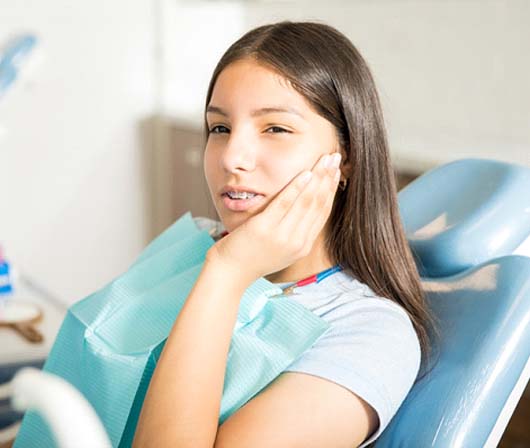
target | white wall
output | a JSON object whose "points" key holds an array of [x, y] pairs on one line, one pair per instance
{"points": [[195, 34], [73, 194], [452, 75], [75, 175]]}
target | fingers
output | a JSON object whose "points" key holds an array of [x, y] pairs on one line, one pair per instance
{"points": [[282, 203], [312, 206], [328, 205]]}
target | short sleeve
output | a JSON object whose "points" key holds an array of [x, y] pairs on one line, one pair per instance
{"points": [[372, 349]]}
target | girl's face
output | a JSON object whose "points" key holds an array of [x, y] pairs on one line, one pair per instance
{"points": [[253, 144]]}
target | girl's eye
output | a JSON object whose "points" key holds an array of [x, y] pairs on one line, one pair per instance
{"points": [[276, 128], [212, 131], [280, 130]]}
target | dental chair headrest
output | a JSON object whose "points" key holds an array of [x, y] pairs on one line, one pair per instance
{"points": [[464, 213]]}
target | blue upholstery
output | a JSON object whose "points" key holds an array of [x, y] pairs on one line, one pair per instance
{"points": [[484, 318], [464, 213], [460, 220]]}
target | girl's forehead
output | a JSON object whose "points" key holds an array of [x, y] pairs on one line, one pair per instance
{"points": [[250, 75], [251, 85], [248, 65]]}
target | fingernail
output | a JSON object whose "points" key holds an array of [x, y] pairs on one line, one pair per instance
{"points": [[305, 176], [325, 161], [335, 160]]}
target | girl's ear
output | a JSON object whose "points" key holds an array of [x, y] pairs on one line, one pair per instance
{"points": [[345, 167]]}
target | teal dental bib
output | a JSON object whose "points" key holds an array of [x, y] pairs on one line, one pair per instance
{"points": [[109, 342]]}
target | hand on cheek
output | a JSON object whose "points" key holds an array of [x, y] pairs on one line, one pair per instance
{"points": [[285, 230]]}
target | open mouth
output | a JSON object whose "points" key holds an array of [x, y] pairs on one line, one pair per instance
{"points": [[241, 204]]}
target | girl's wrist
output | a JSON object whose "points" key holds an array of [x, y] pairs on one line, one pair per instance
{"points": [[228, 271]]}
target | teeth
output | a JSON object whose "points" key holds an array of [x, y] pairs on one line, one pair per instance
{"points": [[240, 195]]}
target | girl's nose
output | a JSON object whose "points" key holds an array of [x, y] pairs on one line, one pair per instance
{"points": [[239, 154]]}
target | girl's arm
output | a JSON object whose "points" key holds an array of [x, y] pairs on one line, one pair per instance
{"points": [[183, 401]]}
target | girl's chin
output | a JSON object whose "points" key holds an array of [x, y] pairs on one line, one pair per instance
{"points": [[230, 223]]}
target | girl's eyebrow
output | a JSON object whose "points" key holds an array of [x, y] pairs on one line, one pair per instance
{"points": [[258, 112]]}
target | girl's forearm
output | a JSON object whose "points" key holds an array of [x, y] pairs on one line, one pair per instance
{"points": [[182, 404]]}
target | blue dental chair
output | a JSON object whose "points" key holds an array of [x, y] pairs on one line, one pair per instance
{"points": [[468, 224]]}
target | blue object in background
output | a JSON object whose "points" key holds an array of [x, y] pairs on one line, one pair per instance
{"points": [[461, 220], [464, 213], [12, 58], [5, 279], [479, 360]]}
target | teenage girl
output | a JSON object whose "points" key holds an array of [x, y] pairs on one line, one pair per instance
{"points": [[298, 168]]}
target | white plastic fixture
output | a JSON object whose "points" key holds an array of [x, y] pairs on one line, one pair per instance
{"points": [[71, 418]]}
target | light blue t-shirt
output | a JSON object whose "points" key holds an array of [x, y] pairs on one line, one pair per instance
{"points": [[371, 347]]}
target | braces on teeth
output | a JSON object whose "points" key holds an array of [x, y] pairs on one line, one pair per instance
{"points": [[240, 195]]}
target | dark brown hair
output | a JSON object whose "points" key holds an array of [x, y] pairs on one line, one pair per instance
{"points": [[366, 236]]}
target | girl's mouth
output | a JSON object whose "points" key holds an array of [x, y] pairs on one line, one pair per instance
{"points": [[239, 205]]}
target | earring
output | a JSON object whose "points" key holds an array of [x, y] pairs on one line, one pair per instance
{"points": [[342, 186]]}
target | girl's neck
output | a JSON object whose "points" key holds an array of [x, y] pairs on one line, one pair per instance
{"points": [[295, 273]]}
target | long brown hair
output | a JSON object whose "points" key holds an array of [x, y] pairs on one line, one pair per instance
{"points": [[366, 236]]}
